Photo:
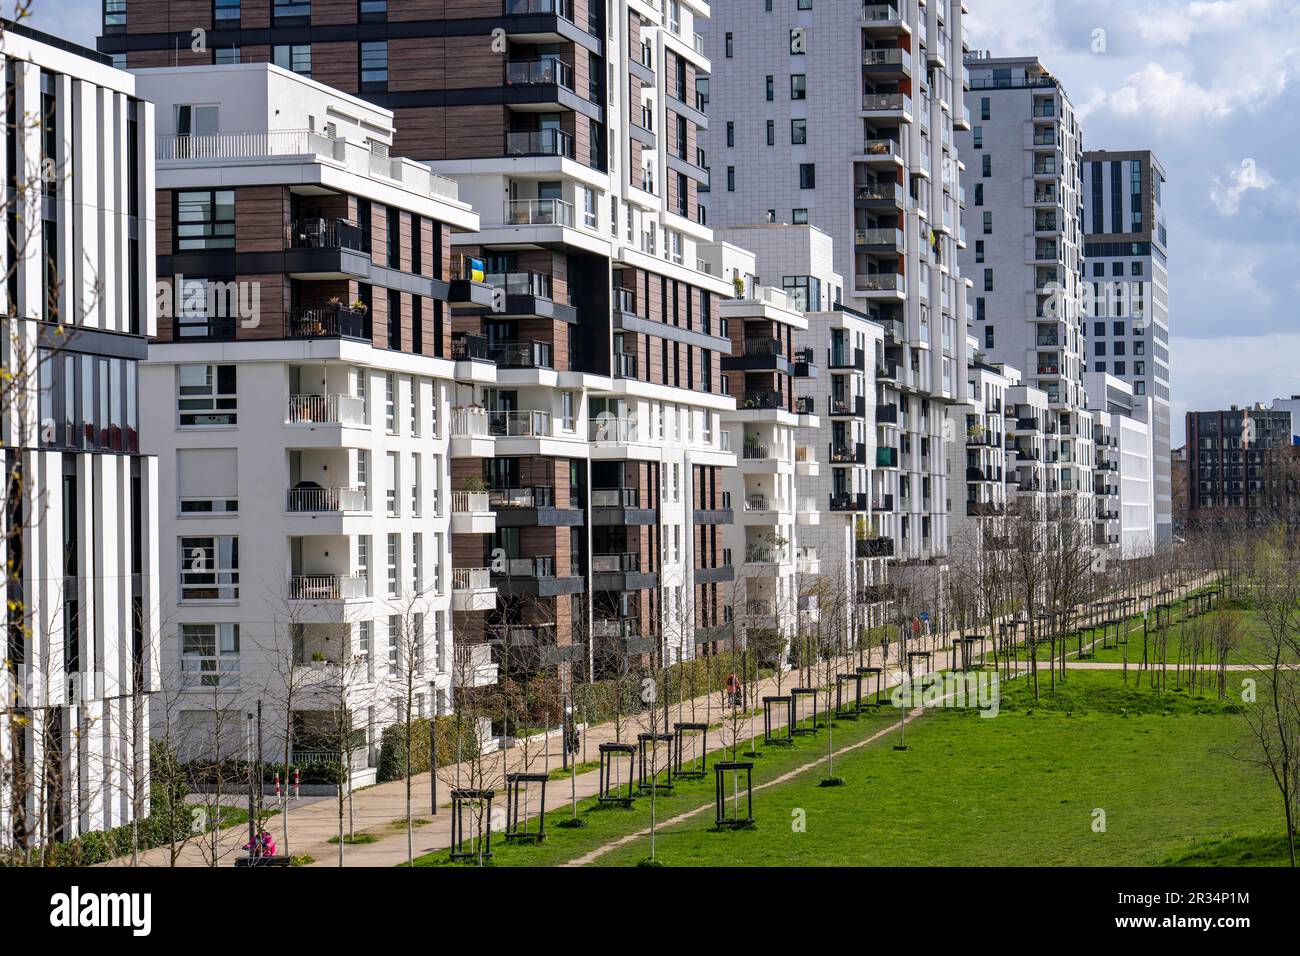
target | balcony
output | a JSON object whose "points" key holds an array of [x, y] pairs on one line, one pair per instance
{"points": [[534, 577], [867, 548], [886, 61], [887, 284], [756, 450], [538, 212], [544, 142], [312, 499], [519, 424], [883, 17], [879, 196], [522, 355], [849, 501], [842, 357], [316, 588], [849, 408], [984, 509], [620, 572], [471, 513], [886, 457], [626, 629], [805, 461], [326, 234], [759, 355], [474, 666], [805, 405], [886, 241], [625, 365], [882, 502], [896, 106], [883, 151], [332, 321], [619, 507], [755, 504], [609, 430], [549, 71], [761, 554], [534, 505], [852, 453], [326, 410], [472, 590]]}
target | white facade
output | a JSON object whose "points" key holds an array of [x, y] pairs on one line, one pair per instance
{"points": [[1124, 433], [1025, 256], [306, 506], [81, 544], [794, 93], [978, 451], [1127, 268]]}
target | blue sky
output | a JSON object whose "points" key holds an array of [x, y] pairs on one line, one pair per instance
{"points": [[1213, 86]]}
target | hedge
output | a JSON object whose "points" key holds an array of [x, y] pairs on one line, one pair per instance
{"points": [[392, 746]]}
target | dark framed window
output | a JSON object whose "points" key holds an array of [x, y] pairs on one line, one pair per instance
{"points": [[225, 11], [798, 132], [205, 219], [290, 10], [798, 86], [114, 13], [373, 9], [807, 175], [295, 57], [771, 88], [374, 64]]}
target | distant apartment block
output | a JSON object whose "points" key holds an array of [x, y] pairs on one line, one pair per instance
{"points": [[1241, 465]]}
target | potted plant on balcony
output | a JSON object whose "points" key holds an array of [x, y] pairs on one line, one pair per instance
{"points": [[475, 485], [738, 286], [318, 660]]}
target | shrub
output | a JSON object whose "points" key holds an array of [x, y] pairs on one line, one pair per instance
{"points": [[392, 746]]}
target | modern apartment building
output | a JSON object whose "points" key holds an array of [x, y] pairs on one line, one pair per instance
{"points": [[848, 434], [1241, 465], [978, 450], [589, 385], [1026, 254], [1124, 466], [80, 545], [298, 396], [841, 116], [1126, 270]]}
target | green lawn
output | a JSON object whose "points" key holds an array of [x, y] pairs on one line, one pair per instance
{"points": [[1019, 789]]}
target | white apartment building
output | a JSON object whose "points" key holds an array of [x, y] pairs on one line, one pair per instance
{"points": [[841, 116], [1026, 255], [1126, 267], [80, 541], [1124, 474], [848, 428], [299, 400], [978, 451]]}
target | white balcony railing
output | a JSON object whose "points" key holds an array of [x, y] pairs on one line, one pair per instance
{"points": [[326, 410], [470, 502], [326, 587], [469, 422], [327, 499], [471, 579], [539, 212]]}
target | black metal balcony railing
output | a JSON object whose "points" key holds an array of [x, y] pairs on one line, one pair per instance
{"points": [[536, 284], [544, 72], [467, 345], [848, 501], [326, 234], [803, 356], [328, 321], [531, 496], [763, 398], [882, 503], [764, 347], [615, 498], [874, 547], [849, 454], [805, 405], [887, 414], [541, 566], [539, 142], [522, 355]]}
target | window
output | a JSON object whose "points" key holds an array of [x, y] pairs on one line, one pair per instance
{"points": [[799, 217], [988, 337], [417, 562], [208, 480], [1099, 367], [225, 11], [390, 490], [1098, 348], [807, 176], [1139, 368], [374, 64], [798, 131], [798, 86], [771, 89], [205, 219], [295, 57], [979, 194], [568, 415], [987, 166], [225, 55], [114, 13], [979, 250], [988, 280], [394, 564], [771, 132], [730, 48], [206, 395], [988, 223], [390, 403], [415, 483], [978, 137], [282, 9], [209, 655], [374, 8], [731, 134], [731, 179], [985, 104], [209, 568]]}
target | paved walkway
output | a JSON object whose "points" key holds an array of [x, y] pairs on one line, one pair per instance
{"points": [[381, 809]]}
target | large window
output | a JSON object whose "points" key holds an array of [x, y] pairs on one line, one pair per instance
{"points": [[798, 86], [205, 219], [114, 13], [295, 57], [209, 568], [209, 655], [206, 395], [374, 64], [285, 9], [225, 11]]}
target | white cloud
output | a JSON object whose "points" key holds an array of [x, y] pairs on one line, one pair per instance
{"points": [[1226, 195], [1174, 26]]}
